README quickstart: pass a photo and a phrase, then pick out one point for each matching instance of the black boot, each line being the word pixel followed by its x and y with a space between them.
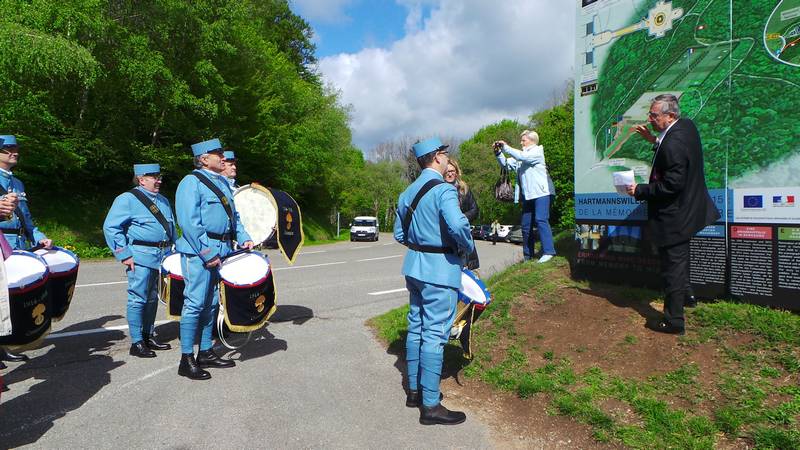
pixel 188 368
pixel 2 366
pixel 140 350
pixel 6 355
pixel 414 399
pixel 690 302
pixel 440 415
pixel 208 358
pixel 152 344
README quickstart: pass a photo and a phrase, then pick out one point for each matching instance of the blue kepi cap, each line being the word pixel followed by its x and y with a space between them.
pixel 144 169
pixel 229 156
pixel 206 147
pixel 422 148
pixel 9 140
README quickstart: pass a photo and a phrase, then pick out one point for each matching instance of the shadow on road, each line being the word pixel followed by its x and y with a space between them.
pixel 68 375
pixel 262 343
pixel 298 315
pixel 454 361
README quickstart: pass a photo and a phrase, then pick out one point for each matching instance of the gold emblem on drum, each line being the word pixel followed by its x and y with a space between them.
pixel 38 314
pixel 289 220
pixel 260 302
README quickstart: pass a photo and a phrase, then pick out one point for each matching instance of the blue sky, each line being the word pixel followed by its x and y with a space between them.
pixel 360 24
pixel 420 68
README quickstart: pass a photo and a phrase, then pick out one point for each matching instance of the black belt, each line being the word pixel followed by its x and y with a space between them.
pixel 10 230
pixel 219 237
pixel 160 244
pixel 429 248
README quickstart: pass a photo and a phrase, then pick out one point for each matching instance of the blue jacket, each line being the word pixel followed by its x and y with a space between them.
pixel 531 171
pixel 128 219
pixel 199 212
pixel 10 183
pixel 437 221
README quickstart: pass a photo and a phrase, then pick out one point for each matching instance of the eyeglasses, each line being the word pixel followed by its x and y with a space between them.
pixel 157 176
pixel 450 172
pixel 654 114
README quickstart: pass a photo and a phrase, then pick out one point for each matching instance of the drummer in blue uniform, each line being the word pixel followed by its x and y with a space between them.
pixel 18 228
pixel 208 234
pixel 230 168
pixel 139 236
pixel 438 240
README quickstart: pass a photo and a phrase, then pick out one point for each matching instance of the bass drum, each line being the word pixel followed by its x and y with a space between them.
pixel 171 285
pixel 29 298
pixel 473 299
pixel 257 211
pixel 246 297
pixel 63 265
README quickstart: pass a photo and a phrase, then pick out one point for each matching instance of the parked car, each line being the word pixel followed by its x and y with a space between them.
pixel 481 232
pixel 515 235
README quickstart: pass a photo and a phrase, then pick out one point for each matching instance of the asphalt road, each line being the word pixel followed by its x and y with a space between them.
pixel 315 377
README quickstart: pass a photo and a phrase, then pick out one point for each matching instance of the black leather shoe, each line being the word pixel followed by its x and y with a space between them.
pixel 690 302
pixel 2 366
pixel 140 350
pixel 6 355
pixel 4 389
pixel 189 368
pixel 664 327
pixel 439 415
pixel 152 344
pixel 413 399
pixel 208 358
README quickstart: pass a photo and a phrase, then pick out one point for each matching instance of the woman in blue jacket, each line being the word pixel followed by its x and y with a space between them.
pixel 537 189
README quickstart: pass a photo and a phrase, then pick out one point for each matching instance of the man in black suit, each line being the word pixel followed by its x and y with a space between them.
pixel 678 204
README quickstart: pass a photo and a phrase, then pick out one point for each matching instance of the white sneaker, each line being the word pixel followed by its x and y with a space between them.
pixel 544 259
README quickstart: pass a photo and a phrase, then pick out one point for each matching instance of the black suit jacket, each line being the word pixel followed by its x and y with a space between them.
pixel 678 204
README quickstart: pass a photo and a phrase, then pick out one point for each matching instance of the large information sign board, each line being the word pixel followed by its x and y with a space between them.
pixel 735 66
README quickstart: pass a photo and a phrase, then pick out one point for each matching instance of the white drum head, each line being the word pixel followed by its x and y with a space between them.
pixel 172 264
pixel 257 211
pixel 58 260
pixel 472 290
pixel 244 269
pixel 23 269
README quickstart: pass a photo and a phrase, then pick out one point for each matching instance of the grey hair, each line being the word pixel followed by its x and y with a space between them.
pixel 532 135
pixel 135 180
pixel 198 163
pixel 669 104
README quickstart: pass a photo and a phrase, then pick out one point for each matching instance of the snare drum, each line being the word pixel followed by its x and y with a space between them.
pixel 171 285
pixel 29 298
pixel 246 291
pixel 63 266
pixel 473 298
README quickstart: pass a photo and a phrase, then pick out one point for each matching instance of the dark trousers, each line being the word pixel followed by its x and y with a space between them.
pixel 675 274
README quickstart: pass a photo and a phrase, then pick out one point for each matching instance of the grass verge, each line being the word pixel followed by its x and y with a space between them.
pixel 751 395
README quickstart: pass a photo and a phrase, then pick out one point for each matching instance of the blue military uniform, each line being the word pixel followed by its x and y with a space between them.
pixel 131 230
pixel 19 230
pixel 432 279
pixel 206 236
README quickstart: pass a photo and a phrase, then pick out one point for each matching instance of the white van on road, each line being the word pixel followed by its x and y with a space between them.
pixel 364 228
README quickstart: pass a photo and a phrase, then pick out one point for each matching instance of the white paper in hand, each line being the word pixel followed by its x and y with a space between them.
pixel 622 180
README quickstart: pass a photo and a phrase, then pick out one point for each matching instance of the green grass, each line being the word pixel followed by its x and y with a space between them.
pixel 745 399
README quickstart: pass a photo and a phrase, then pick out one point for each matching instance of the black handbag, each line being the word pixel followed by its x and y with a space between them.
pixel 503 190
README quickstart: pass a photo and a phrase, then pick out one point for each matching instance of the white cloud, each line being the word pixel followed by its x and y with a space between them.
pixel 468 64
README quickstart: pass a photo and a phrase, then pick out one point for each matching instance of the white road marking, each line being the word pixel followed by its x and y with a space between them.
pixel 311 253
pixel 393 291
pixel 390 243
pixel 311 265
pixel 101 284
pixel 360 247
pixel 382 257
pixel 95 330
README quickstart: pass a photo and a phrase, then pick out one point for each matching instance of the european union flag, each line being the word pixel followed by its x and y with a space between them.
pixel 753 201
